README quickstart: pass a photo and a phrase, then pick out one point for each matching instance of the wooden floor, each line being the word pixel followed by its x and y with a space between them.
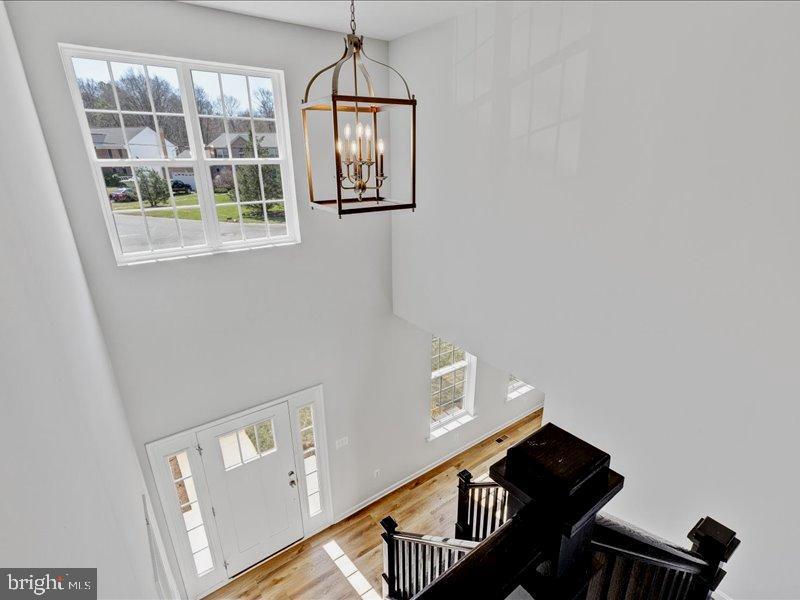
pixel 426 505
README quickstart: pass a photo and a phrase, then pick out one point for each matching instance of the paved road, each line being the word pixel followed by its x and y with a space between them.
pixel 164 233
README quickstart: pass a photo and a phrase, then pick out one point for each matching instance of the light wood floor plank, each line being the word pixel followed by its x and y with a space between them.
pixel 425 505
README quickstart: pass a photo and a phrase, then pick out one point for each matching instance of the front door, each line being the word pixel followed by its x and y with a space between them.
pixel 252 481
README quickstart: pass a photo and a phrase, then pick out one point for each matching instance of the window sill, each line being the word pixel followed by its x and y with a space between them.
pixel 441 429
pixel 127 260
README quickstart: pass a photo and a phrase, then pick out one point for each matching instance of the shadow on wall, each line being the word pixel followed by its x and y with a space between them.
pixel 529 60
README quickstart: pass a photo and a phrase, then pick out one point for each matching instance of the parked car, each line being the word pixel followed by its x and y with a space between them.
pixel 179 187
pixel 122 195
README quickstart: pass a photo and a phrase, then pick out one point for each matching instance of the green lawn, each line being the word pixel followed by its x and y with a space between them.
pixel 192 212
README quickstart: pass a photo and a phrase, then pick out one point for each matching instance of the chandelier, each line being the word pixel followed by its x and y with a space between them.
pixel 359 144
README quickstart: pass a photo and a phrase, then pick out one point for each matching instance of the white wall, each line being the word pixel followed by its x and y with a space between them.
pixel 72 486
pixel 619 210
pixel 194 340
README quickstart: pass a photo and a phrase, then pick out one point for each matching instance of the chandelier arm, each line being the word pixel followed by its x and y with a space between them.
pixel 320 72
pixel 403 79
pixel 337 66
pixel 364 73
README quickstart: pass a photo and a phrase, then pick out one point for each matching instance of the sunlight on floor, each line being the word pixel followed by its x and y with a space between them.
pixel 349 570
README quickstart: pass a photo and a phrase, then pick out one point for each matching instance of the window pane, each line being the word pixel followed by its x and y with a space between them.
pixel 153 187
pixel 222 178
pixel 247 441
pixel 273 185
pixel 435 346
pixel 266 139
pixel 307 437
pixel 253 222
pixel 119 188
pixel 131 87
pixel 131 232
pixel 314 506
pixel 234 88
pixel 215 142
pixel 198 539
pixel 266 438
pixel 448 379
pixel 166 89
pixel 262 97
pixel 186 491
pixel 459 374
pixel 241 138
pixel 230 230
pixel 306 417
pixel 174 139
pixel 191 226
pixel 184 185
pixel 143 140
pixel 179 465
pixel 107 138
pixel 229 448
pixel 459 354
pixel 312 483
pixel 94 83
pixel 203 562
pixel 206 93
pixel 191 515
pixel 249 183
pixel 163 229
pixel 310 463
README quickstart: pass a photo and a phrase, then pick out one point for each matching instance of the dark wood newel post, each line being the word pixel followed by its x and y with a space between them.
pixel 715 543
pixel 569 481
pixel 390 577
pixel 463 528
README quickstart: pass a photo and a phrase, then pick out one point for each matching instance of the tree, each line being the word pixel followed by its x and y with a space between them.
pixel 263 103
pixel 153 188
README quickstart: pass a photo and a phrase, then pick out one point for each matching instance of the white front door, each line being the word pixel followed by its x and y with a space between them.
pixel 252 481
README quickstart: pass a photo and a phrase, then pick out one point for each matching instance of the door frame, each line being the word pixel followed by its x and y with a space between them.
pixel 187 440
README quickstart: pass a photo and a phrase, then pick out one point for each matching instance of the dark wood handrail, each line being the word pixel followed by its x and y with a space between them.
pixel 615 536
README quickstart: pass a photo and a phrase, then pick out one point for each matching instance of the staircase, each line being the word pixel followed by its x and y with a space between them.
pixel 535 531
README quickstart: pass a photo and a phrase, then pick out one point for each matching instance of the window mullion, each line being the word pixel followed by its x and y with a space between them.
pixel 205 188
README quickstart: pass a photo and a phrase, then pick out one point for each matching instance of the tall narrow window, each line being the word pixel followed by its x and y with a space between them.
pixel 452 385
pixel 188 158
pixel 190 508
pixel 311 472
pixel 517 387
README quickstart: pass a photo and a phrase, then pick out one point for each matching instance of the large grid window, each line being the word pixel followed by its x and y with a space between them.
pixel 452 373
pixel 189 158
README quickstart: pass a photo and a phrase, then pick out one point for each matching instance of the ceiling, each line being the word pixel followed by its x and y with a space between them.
pixel 379 19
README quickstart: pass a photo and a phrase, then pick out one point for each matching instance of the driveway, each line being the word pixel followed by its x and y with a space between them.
pixel 164 233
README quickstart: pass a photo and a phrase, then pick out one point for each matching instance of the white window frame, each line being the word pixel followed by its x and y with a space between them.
pixel 199 162
pixel 516 387
pixel 470 363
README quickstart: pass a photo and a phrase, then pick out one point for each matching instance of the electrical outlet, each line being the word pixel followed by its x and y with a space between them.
pixel 376 473
pixel 342 442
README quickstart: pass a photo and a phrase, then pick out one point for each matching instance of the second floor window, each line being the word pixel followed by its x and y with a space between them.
pixel 452 382
pixel 188 157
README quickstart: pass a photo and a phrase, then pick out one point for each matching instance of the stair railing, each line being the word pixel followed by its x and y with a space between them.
pixel 412 561
pixel 482 507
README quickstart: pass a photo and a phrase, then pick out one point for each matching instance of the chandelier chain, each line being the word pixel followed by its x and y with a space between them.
pixel 353 16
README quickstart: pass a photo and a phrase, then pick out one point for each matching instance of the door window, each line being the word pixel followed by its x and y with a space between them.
pixel 186 493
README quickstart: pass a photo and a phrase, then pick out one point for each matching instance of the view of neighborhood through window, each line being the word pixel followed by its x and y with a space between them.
pixel 189 159
pixel 450 374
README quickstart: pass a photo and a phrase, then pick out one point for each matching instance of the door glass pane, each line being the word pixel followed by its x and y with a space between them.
pixel 197 539
pixel 247 442
pixel 305 417
pixel 191 515
pixel 230 451
pixel 203 561
pixel 266 437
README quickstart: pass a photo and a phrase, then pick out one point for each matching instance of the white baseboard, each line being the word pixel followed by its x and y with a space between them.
pixel 354 509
